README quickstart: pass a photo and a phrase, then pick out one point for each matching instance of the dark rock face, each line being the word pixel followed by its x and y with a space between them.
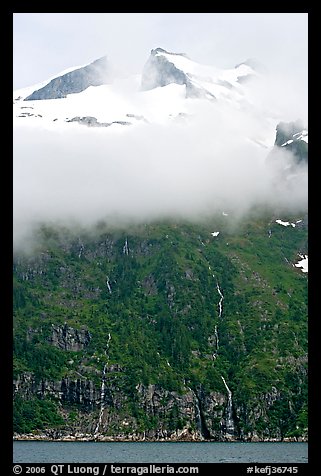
pixel 149 286
pixel 94 74
pixel 290 138
pixel 286 130
pixel 159 72
pixel 92 122
pixel 68 338
pixel 176 416
pixel 26 386
pixel 80 392
pixel 211 407
pixel 86 120
pixel 192 415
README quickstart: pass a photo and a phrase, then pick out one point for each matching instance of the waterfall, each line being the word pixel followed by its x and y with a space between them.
pixel 220 305
pixel 102 397
pixel 102 388
pixel 108 284
pixel 229 416
pixel 229 427
pixel 81 250
pixel 199 417
pixel 216 339
pixel 125 248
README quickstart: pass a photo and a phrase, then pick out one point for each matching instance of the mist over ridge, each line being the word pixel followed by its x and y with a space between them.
pixel 190 158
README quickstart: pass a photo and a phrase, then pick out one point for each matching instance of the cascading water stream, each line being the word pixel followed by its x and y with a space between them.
pixel 108 284
pixel 229 409
pixel 102 388
pixel 125 248
pixel 220 304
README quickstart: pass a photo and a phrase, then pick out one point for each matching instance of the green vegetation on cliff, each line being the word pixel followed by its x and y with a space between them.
pixel 167 305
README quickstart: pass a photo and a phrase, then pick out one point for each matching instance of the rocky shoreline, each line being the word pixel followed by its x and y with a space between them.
pixel 183 437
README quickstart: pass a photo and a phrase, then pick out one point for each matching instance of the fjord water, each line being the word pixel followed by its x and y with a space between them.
pixel 119 452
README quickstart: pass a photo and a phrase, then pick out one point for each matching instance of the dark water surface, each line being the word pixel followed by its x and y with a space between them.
pixel 119 452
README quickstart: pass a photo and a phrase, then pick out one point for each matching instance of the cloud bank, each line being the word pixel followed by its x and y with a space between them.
pixel 209 162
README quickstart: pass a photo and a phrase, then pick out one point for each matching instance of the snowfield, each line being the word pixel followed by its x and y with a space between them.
pixel 303 263
pixel 285 223
pixel 107 103
pixel 125 101
pixel 303 135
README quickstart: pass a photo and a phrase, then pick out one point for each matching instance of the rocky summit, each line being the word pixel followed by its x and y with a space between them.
pixel 93 74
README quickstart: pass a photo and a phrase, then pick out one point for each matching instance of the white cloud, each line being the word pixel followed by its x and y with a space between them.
pixel 210 162
pixel 207 164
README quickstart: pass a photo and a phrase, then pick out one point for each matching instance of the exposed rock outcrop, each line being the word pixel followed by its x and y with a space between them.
pixel 292 137
pixel 93 122
pixel 172 415
pixel 159 71
pixel 66 338
pixel 194 415
pixel 94 74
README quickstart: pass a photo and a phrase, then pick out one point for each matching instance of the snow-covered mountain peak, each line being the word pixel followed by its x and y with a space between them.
pixel 182 62
pixel 201 81
pixel 74 81
pixel 161 51
pixel 171 88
